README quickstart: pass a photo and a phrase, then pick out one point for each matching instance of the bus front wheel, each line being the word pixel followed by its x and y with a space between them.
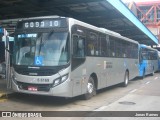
pixel 91 89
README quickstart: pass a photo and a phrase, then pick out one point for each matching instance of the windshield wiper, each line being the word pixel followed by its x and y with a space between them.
pixel 40 45
pixel 43 40
pixel 50 33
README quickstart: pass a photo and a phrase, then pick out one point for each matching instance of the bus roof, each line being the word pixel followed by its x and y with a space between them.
pixel 72 20
pixel 148 47
pixel 102 30
pixel 41 17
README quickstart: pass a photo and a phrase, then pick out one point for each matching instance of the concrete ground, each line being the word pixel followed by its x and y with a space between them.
pixel 140 100
pixel 3 88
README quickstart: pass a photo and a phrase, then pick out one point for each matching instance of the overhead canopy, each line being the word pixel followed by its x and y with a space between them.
pixel 110 14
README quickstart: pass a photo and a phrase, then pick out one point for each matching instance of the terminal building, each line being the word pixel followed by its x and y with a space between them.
pixel 114 16
pixel 107 14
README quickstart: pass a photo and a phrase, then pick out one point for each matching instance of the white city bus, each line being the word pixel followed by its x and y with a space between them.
pixel 58 56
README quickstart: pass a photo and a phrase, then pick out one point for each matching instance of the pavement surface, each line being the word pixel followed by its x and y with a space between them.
pixel 140 95
pixel 144 98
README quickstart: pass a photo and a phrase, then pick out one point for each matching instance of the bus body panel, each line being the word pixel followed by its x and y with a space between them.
pixel 107 75
pixel 158 61
pixel 64 89
pixel 107 70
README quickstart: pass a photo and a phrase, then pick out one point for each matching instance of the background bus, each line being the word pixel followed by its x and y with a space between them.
pixel 148 60
pixel 59 56
pixel 158 61
pixel 2 54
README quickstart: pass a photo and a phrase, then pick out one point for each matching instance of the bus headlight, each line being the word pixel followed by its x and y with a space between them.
pixel 14 78
pixel 57 82
pixel 64 78
pixel 60 80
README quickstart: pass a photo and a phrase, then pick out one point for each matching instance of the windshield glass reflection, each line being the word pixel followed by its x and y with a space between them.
pixel 41 49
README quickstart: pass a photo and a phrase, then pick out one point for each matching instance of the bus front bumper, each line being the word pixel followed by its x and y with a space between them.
pixel 62 90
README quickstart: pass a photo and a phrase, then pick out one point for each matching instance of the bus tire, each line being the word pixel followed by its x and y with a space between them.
pixel 152 74
pixel 91 89
pixel 126 79
pixel 143 76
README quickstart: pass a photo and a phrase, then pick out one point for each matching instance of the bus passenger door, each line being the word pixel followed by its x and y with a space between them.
pixel 77 64
pixel 7 61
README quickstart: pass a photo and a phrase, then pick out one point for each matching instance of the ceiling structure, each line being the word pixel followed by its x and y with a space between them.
pixel 110 14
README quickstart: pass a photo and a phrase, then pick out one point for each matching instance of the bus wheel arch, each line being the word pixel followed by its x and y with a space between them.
pixel 91 87
pixel 95 78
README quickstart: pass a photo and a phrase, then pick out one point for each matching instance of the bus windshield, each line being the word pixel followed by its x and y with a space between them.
pixel 41 49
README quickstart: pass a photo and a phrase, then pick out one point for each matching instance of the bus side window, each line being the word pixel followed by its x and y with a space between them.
pixel 92 44
pixel 79 46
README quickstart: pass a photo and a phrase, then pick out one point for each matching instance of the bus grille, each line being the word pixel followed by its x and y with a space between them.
pixel 38 72
pixel 40 87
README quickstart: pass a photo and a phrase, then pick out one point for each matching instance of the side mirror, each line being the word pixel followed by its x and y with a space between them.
pixel 8 50
pixel 1 37
pixel 1 33
pixel 7 45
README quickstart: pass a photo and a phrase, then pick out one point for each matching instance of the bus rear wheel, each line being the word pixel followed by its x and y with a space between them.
pixel 152 74
pixel 126 79
pixel 91 89
pixel 143 76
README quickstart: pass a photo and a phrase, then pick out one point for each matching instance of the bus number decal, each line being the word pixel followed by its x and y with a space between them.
pixel 108 64
pixel 42 24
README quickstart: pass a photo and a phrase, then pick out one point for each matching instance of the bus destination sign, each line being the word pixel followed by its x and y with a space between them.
pixel 42 24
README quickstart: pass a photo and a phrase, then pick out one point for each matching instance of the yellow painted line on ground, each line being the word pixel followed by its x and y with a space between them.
pixel 3 97
pixel 3 100
pixel 2 94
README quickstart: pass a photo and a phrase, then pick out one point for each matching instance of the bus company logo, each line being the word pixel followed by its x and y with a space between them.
pixel 6 114
pixel 108 64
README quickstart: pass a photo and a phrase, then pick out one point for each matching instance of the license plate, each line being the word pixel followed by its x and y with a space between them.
pixel 32 88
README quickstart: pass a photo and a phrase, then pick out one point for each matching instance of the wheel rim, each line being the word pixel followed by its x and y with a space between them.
pixel 90 88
